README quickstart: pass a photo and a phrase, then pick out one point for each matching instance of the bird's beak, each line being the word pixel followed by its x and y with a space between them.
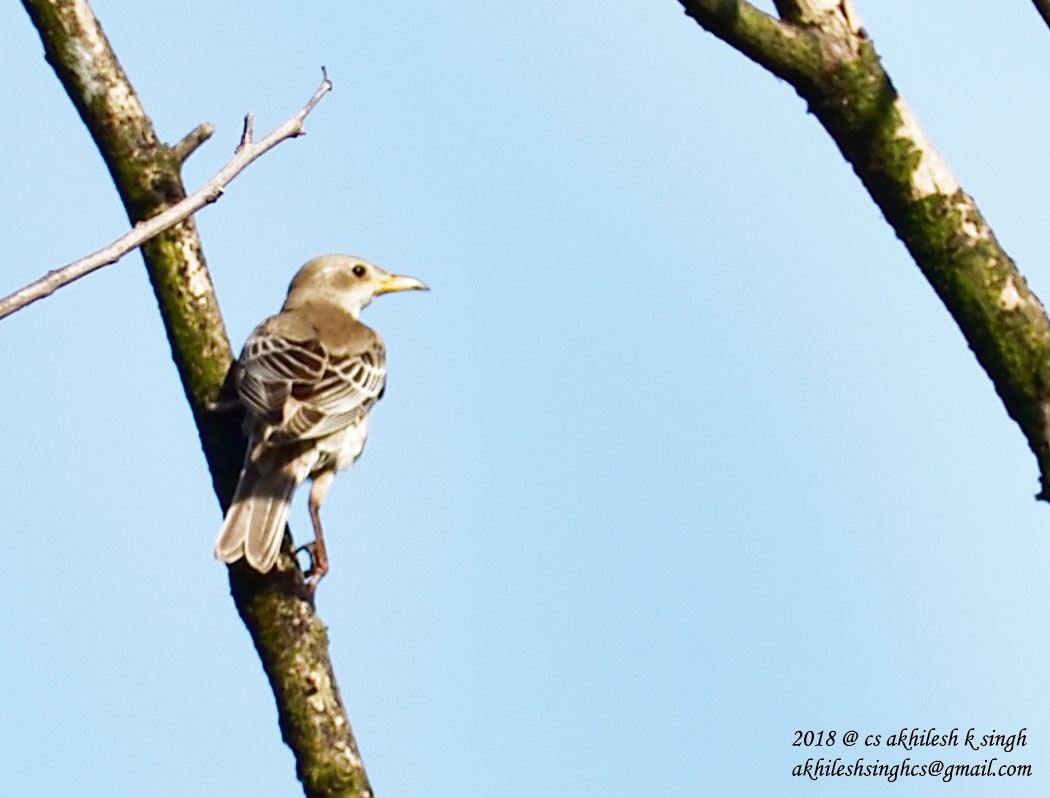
pixel 389 283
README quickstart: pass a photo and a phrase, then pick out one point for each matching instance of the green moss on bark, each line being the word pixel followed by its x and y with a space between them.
pixel 838 72
pixel 289 637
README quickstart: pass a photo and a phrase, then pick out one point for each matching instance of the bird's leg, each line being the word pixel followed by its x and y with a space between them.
pixel 318 555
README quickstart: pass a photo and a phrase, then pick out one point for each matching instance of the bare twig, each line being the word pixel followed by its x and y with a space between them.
pixel 246 152
pixel 192 140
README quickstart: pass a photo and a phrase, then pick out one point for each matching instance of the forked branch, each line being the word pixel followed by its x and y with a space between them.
pixel 290 638
pixel 246 152
pixel 821 48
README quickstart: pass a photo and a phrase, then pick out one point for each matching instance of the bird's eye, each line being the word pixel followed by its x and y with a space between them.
pixel 359 270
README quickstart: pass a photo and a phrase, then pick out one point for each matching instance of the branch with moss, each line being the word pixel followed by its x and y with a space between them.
pixel 289 637
pixel 822 50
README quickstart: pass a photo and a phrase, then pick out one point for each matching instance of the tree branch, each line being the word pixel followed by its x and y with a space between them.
pixel 1043 7
pixel 290 638
pixel 192 140
pixel 762 38
pixel 832 64
pixel 246 152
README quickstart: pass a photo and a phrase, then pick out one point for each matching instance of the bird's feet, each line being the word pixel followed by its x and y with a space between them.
pixel 318 564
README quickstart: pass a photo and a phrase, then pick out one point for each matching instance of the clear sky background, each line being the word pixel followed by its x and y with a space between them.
pixel 679 455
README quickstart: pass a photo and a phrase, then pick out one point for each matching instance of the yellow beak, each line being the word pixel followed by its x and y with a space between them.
pixel 389 283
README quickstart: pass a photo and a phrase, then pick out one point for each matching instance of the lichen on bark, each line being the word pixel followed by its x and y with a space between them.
pixel 823 51
pixel 288 635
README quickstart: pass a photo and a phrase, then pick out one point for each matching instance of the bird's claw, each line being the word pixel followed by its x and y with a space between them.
pixel 318 565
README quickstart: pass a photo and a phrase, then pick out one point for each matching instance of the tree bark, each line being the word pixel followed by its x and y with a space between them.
pixel 289 637
pixel 1043 7
pixel 820 48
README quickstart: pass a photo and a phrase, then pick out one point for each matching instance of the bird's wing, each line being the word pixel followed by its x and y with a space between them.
pixel 276 357
pixel 349 387
pixel 301 384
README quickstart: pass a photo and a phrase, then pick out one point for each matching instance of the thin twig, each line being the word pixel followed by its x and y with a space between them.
pixel 246 152
pixel 192 140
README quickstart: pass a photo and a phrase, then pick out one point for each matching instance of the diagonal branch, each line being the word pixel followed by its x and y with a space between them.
pixel 189 143
pixel 291 640
pixel 1043 7
pixel 832 64
pixel 246 152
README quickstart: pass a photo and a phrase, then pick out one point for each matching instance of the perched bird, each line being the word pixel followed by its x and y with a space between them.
pixel 307 378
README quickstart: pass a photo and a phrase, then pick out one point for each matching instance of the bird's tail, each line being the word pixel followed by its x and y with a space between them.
pixel 254 523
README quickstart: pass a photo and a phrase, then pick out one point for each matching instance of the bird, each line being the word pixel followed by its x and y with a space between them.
pixel 307 378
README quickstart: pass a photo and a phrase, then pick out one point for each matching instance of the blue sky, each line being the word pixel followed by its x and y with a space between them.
pixel 679 455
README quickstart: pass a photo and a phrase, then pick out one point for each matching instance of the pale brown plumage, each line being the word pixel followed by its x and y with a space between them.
pixel 307 378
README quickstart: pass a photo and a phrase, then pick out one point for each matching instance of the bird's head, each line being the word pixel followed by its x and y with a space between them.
pixel 345 280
